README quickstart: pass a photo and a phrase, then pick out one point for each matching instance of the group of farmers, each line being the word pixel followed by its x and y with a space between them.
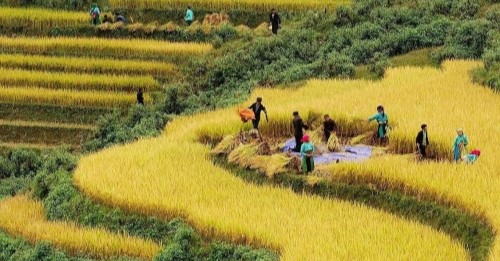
pixel 95 13
pixel 306 148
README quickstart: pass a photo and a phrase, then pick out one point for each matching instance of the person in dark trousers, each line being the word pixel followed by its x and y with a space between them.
pixel 329 126
pixel 275 21
pixel 107 19
pixel 257 109
pixel 140 97
pixel 298 130
pixel 94 14
pixel 422 140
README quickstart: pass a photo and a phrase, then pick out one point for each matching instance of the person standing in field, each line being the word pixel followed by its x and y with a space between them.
pixel 329 126
pixel 459 145
pixel 307 154
pixel 275 21
pixel 257 109
pixel 189 18
pixel 382 120
pixel 140 96
pixel 422 141
pixel 94 14
pixel 298 130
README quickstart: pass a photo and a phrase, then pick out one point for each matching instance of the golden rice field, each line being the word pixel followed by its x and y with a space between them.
pixel 217 5
pixel 88 65
pixel 100 47
pixel 24 217
pixel 63 97
pixel 41 19
pixel 173 176
pixel 76 81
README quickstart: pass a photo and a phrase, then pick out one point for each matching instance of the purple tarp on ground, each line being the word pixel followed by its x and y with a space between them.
pixel 349 154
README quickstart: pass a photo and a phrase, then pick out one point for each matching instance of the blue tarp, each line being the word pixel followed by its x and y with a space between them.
pixel 350 153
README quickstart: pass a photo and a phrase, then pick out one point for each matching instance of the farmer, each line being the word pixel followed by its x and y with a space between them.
pixel 94 14
pixel 274 21
pixel 140 97
pixel 107 19
pixel 298 127
pixel 329 126
pixel 189 16
pixel 382 120
pixel 257 108
pixel 472 157
pixel 120 18
pixel 307 154
pixel 459 145
pixel 422 141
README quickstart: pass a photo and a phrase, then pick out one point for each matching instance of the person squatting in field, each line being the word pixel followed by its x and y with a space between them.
pixel 94 14
pixel 382 120
pixel 274 21
pixel 298 130
pixel 307 154
pixel 257 108
pixel 329 126
pixel 472 157
pixel 459 145
pixel 422 141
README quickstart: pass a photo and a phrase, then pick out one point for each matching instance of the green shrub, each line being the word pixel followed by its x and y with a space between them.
pixel 117 128
pixel 337 65
pixel 466 40
pixel 7 168
pixel 493 15
pixel 26 162
pixel 465 9
pixel 223 251
pixel 378 64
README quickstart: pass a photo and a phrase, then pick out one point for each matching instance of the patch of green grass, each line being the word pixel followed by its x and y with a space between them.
pixel 51 113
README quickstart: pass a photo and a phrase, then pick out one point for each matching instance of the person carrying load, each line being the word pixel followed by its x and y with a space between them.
pixel 257 109
pixel 382 120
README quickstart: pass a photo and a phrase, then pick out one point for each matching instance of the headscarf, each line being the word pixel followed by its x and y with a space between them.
pixel 305 138
pixel 476 152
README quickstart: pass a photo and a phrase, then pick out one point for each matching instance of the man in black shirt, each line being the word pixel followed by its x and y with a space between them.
pixel 275 21
pixel 422 141
pixel 329 126
pixel 298 127
pixel 140 97
pixel 257 108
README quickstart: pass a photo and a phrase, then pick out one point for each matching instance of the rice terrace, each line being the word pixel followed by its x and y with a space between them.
pixel 249 130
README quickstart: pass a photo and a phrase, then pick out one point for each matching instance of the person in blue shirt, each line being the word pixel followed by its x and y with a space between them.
pixel 94 14
pixel 459 145
pixel 382 120
pixel 189 16
pixel 307 154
